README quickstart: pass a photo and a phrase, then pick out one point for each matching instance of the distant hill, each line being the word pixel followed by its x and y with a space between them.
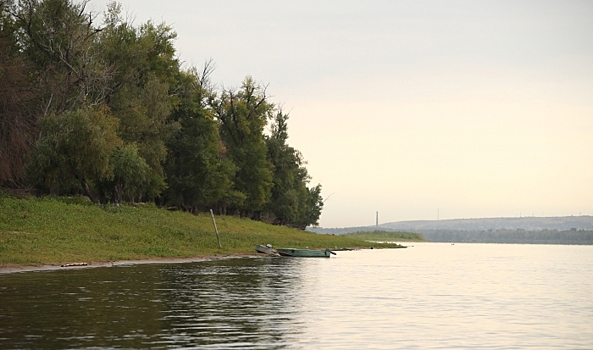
pixel 540 230
pixel 524 223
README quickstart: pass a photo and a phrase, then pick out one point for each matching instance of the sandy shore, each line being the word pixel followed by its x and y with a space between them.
pixel 6 269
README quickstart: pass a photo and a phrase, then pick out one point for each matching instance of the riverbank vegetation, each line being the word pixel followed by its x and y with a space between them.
pixel 107 111
pixel 58 230
pixel 386 236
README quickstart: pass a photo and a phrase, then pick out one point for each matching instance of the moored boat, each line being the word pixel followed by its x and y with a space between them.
pixel 265 249
pixel 305 253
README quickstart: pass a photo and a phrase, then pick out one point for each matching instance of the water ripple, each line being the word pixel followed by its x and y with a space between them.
pixel 432 296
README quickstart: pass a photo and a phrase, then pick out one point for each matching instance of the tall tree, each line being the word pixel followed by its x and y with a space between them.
pixel 59 37
pixel 242 116
pixel 60 40
pixel 17 103
pixel 292 203
pixel 198 174
pixel 144 72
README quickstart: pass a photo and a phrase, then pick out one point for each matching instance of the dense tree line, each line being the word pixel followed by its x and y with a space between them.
pixel 511 236
pixel 106 111
pixel 386 236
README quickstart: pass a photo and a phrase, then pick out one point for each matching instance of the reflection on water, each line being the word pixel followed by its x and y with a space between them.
pixel 234 302
pixel 430 296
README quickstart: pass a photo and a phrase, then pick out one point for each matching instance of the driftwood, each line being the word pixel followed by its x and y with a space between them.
pixel 74 264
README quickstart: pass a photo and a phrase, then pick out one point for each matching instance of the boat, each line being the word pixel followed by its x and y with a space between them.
pixel 265 249
pixel 305 253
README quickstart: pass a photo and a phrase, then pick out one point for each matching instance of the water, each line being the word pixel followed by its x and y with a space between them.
pixel 429 296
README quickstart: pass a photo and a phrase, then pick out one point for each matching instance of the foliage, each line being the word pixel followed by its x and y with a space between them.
pixel 130 173
pixel 144 68
pixel 17 104
pixel 292 202
pixel 58 37
pixel 74 151
pixel 108 112
pixel 242 115
pixel 198 174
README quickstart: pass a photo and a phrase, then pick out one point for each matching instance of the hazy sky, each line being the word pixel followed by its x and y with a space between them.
pixel 461 109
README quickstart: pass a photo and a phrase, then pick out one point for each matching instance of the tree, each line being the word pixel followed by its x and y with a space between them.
pixel 144 71
pixel 53 42
pixel 17 104
pixel 107 111
pixel 292 203
pixel 59 38
pixel 198 174
pixel 242 116
pixel 313 208
pixel 74 150
pixel 130 174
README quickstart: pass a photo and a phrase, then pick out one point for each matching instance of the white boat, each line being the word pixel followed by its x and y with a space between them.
pixel 266 249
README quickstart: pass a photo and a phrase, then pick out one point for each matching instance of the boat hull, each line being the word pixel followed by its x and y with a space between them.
pixel 304 253
pixel 265 250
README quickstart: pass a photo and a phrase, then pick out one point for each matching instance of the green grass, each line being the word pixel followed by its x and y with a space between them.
pixel 387 236
pixel 62 230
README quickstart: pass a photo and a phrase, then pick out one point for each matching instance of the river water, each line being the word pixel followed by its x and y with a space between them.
pixel 428 296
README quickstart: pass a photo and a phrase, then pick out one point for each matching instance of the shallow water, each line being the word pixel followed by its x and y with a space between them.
pixel 429 296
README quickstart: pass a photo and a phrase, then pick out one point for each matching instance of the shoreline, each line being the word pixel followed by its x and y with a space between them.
pixel 16 268
pixel 10 269
pixel 41 234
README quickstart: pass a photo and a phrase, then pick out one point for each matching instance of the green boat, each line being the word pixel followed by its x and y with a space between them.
pixel 305 253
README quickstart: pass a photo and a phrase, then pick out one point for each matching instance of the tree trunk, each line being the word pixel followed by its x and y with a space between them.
pixel 87 191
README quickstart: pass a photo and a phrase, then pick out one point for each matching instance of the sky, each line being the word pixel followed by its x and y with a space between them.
pixel 417 110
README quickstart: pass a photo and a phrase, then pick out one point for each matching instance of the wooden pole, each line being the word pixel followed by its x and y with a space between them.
pixel 215 229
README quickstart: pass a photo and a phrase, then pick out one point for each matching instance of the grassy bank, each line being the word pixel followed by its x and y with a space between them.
pixel 62 230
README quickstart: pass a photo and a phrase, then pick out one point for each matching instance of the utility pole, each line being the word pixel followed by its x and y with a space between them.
pixel 377 220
